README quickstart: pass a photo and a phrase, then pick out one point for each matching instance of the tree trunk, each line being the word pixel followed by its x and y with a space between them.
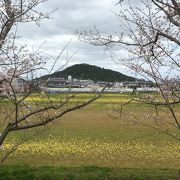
pixel 5 133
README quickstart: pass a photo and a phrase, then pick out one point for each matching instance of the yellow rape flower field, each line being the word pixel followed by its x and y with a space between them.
pixel 88 152
pixel 97 136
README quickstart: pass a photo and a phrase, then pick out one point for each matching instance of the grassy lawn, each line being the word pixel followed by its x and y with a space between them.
pixel 86 141
pixel 86 172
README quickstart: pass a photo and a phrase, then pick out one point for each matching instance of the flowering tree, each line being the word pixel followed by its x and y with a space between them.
pixel 17 64
pixel 150 34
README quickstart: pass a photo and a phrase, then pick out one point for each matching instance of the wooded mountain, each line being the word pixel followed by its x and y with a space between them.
pixel 95 73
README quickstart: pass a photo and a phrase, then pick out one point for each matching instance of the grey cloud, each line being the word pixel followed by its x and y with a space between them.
pixel 73 15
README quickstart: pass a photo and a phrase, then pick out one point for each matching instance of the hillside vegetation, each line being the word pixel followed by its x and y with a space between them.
pixel 95 73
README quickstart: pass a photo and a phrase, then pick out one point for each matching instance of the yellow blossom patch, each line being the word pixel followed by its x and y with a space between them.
pixel 95 150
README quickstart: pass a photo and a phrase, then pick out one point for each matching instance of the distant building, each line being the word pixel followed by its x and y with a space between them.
pixel 77 83
pixel 69 79
pixel 138 84
pixel 19 85
pixel 63 83
pixel 56 82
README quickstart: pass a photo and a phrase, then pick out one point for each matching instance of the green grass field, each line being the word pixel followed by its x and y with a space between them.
pixel 96 136
pixel 89 173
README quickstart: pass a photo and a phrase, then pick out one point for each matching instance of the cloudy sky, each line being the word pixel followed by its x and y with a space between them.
pixel 70 17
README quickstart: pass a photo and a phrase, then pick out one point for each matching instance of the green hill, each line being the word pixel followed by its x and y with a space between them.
pixel 95 73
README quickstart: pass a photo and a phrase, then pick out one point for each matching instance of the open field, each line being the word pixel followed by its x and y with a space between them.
pixel 97 136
